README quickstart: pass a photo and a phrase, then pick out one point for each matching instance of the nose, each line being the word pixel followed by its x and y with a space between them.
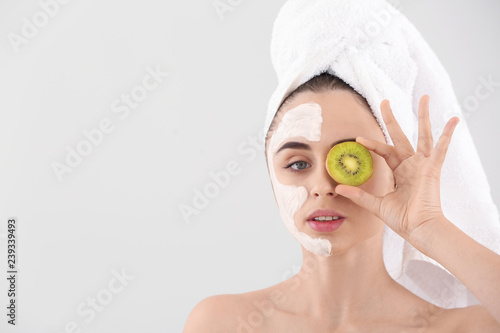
pixel 322 185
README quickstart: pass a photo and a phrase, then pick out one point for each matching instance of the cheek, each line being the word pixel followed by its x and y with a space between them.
pixel 283 182
pixel 290 198
pixel 283 175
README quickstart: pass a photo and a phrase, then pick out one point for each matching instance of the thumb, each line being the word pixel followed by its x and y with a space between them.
pixel 360 197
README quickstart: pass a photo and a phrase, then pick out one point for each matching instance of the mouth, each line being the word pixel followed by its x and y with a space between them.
pixel 325 220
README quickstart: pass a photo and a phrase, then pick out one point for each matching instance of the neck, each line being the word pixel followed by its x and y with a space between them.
pixel 347 285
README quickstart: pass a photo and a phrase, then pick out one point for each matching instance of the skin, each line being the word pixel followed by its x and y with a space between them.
pixel 349 291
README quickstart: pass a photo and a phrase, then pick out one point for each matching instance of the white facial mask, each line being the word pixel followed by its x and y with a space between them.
pixel 302 121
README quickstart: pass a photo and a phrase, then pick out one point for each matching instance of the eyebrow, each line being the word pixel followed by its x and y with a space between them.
pixel 305 146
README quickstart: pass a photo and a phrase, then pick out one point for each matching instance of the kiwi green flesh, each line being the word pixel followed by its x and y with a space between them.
pixel 349 163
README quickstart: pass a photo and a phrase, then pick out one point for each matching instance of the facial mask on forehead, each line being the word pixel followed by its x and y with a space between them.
pixel 302 121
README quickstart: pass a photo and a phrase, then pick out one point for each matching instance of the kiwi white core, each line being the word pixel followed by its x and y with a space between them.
pixel 302 121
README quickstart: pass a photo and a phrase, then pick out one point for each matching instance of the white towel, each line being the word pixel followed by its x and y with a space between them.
pixel 375 49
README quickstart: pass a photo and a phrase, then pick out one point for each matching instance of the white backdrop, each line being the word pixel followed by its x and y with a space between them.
pixel 156 98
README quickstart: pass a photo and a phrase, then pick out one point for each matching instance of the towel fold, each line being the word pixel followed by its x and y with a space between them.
pixel 375 49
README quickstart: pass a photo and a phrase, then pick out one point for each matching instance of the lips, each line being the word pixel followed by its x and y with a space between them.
pixel 325 226
pixel 324 212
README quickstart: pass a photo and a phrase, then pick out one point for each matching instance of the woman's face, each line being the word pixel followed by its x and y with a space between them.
pixel 300 181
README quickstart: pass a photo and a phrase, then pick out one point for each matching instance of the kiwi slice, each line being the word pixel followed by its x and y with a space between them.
pixel 349 163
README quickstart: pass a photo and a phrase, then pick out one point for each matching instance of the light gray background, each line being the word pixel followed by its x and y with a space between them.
pixel 119 209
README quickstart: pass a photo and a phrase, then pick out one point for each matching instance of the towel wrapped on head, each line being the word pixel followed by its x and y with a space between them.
pixel 376 50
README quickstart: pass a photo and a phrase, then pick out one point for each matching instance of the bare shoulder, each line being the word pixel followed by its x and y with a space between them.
pixel 216 313
pixel 475 318
pixel 236 312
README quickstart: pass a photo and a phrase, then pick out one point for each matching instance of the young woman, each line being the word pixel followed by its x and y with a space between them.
pixel 350 290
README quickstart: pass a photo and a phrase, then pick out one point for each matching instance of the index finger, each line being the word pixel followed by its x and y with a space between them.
pixel 401 142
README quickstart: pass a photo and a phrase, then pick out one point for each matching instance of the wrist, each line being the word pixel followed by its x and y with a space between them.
pixel 425 237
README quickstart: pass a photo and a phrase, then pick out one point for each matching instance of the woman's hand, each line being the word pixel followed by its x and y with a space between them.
pixel 415 202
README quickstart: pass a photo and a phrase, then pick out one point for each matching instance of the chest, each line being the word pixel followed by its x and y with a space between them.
pixel 279 322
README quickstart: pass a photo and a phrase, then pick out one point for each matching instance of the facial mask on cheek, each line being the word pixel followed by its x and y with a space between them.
pixel 302 121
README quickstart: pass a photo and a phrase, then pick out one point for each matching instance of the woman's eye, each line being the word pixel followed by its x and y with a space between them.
pixel 299 165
